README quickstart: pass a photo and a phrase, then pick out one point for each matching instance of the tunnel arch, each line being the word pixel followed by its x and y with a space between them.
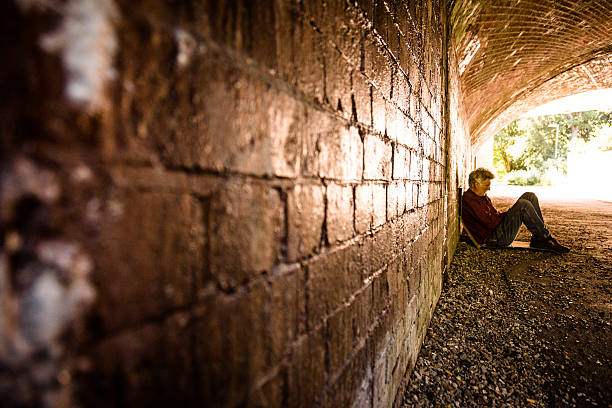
pixel 516 55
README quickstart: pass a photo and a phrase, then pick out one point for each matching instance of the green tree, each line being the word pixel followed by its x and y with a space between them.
pixel 505 143
pixel 536 143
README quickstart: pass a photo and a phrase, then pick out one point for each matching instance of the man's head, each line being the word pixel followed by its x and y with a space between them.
pixel 480 181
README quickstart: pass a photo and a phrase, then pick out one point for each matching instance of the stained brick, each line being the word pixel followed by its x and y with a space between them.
pixel 363 99
pixel 363 208
pixel 204 134
pixel 401 162
pixel 284 310
pixel 307 370
pixel 337 81
pixel 340 210
pixel 257 212
pixel 416 166
pixel 130 358
pixel 379 202
pixel 178 374
pixel 306 211
pixel 377 161
pixel 401 197
pixel 332 149
pixel 265 256
pixel 228 363
pixel 423 195
pixel 330 282
pixel 392 196
pixel 348 388
pixel 160 249
pixel 378 111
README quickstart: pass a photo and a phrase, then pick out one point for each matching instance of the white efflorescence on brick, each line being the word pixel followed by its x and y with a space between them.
pixel 86 41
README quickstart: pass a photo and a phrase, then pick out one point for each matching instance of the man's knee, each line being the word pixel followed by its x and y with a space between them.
pixel 524 204
pixel 529 196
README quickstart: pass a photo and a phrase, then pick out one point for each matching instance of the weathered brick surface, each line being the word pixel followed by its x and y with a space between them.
pixel 277 182
pixel 305 216
pixel 247 221
pixel 340 212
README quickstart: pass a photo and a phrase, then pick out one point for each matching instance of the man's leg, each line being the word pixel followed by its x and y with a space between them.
pixel 533 199
pixel 523 211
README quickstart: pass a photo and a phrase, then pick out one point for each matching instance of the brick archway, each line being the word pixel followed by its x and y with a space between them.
pixel 515 55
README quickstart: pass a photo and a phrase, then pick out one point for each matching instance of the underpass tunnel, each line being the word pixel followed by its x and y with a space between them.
pixel 516 55
pixel 250 203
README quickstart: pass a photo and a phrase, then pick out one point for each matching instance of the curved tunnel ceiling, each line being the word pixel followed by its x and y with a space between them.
pixel 517 54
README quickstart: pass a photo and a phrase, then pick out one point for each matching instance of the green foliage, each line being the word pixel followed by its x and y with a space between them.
pixel 523 177
pixel 537 144
pixel 504 147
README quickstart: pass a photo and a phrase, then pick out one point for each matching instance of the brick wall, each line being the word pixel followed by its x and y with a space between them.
pixel 274 201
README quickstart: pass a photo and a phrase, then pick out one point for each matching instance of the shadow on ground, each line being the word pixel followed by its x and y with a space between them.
pixel 520 329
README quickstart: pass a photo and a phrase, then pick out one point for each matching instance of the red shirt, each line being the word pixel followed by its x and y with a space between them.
pixel 479 215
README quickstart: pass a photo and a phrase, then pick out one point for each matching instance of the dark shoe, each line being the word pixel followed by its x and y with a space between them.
pixel 549 244
pixel 546 244
pixel 560 248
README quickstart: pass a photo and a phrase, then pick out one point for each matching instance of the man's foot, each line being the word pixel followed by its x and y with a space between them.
pixel 549 244
pixel 560 248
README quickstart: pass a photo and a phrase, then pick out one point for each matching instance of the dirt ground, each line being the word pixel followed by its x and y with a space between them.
pixel 520 328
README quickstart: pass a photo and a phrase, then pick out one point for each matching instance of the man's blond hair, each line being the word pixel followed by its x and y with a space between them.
pixel 479 175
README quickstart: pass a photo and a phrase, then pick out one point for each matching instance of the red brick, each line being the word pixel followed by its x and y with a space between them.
pixel 339 212
pixel 382 20
pixel 183 241
pixel 131 358
pixel 159 248
pixel 330 283
pixel 416 166
pixel 363 99
pixel 269 394
pixel 384 247
pixel 308 62
pixel 377 158
pixel 423 195
pixel 340 339
pixel 332 149
pixel 307 370
pixel 363 208
pixel 337 81
pixel 178 373
pixel 284 310
pixel 392 197
pixel 396 124
pixel 379 202
pixel 408 196
pixel 204 132
pixel 229 365
pixel 351 386
pixel 382 337
pixel 257 212
pixel 401 91
pixel 377 66
pixel 379 115
pixel 401 163
pixel 306 211
pixel 380 293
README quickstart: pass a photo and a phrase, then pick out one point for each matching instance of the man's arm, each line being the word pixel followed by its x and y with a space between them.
pixel 484 213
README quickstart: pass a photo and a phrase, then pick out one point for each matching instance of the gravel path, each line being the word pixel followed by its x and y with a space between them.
pixel 524 329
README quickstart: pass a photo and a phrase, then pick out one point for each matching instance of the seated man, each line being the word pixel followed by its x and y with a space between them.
pixel 492 228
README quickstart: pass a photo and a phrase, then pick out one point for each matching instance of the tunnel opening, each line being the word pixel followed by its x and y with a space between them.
pixel 564 144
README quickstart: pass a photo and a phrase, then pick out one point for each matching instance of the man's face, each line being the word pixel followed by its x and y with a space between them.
pixel 482 188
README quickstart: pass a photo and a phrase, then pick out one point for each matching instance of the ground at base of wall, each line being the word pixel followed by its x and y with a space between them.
pixel 519 329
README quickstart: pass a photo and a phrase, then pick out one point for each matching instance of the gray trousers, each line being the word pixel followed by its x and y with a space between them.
pixel 526 211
